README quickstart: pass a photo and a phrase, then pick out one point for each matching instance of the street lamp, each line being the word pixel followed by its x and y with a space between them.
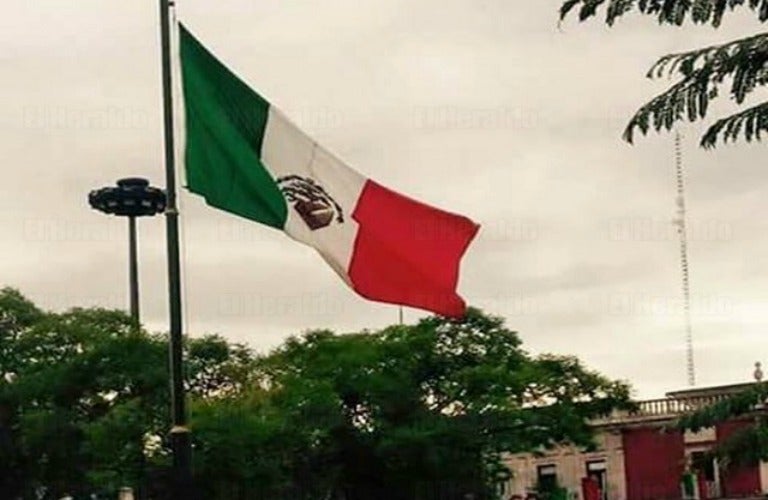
pixel 132 197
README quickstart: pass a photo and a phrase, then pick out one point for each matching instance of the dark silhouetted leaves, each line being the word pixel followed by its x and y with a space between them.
pixel 738 66
pixel 674 12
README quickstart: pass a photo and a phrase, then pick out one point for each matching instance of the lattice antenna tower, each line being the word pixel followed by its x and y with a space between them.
pixel 680 223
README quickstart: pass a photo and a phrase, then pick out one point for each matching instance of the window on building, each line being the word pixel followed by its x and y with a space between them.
pixel 596 469
pixel 596 466
pixel 706 467
pixel 704 464
pixel 546 476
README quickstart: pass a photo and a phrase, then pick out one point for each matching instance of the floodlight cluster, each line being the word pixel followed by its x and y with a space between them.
pixel 132 197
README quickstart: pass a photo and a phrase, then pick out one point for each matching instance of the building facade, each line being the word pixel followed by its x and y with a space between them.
pixel 639 456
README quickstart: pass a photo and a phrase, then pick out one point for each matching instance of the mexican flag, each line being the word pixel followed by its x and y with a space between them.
pixel 244 156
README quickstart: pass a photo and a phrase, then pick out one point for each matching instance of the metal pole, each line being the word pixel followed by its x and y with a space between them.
pixel 180 436
pixel 133 270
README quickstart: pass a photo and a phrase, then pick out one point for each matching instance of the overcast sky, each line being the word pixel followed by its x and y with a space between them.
pixel 482 107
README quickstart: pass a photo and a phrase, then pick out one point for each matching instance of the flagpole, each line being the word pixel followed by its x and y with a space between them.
pixel 180 435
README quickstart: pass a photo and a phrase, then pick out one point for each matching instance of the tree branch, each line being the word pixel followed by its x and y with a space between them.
pixel 674 12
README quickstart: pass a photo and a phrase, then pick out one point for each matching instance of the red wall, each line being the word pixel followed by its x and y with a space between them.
pixel 744 481
pixel 654 463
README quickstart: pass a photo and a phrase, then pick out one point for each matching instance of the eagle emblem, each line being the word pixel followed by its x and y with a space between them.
pixel 311 201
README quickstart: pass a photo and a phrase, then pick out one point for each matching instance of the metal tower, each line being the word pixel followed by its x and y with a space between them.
pixel 680 222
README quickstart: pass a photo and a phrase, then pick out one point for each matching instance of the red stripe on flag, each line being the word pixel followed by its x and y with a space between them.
pixel 407 252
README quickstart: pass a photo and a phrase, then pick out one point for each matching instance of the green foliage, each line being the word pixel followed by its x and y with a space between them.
pixel 84 394
pixel 217 368
pixel 415 412
pixel 738 67
pixel 424 410
pixel 747 446
pixel 737 405
pixel 674 12
pixel 85 389
pixel 241 448
pixel 749 122
pixel 16 314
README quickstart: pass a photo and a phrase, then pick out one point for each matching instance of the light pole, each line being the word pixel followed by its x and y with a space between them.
pixel 132 197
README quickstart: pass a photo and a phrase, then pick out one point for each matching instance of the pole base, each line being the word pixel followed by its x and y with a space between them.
pixel 181 444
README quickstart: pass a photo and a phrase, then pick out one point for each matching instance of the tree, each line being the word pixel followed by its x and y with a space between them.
pixel 84 397
pixel 748 446
pixel 64 376
pixel 416 412
pixel 408 412
pixel 736 68
pixel 16 314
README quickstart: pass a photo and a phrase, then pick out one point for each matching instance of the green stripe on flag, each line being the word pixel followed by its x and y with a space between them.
pixel 225 122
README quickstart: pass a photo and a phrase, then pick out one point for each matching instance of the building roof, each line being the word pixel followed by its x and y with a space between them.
pixel 706 392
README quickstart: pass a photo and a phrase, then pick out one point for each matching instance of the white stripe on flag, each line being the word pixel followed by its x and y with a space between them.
pixel 286 150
